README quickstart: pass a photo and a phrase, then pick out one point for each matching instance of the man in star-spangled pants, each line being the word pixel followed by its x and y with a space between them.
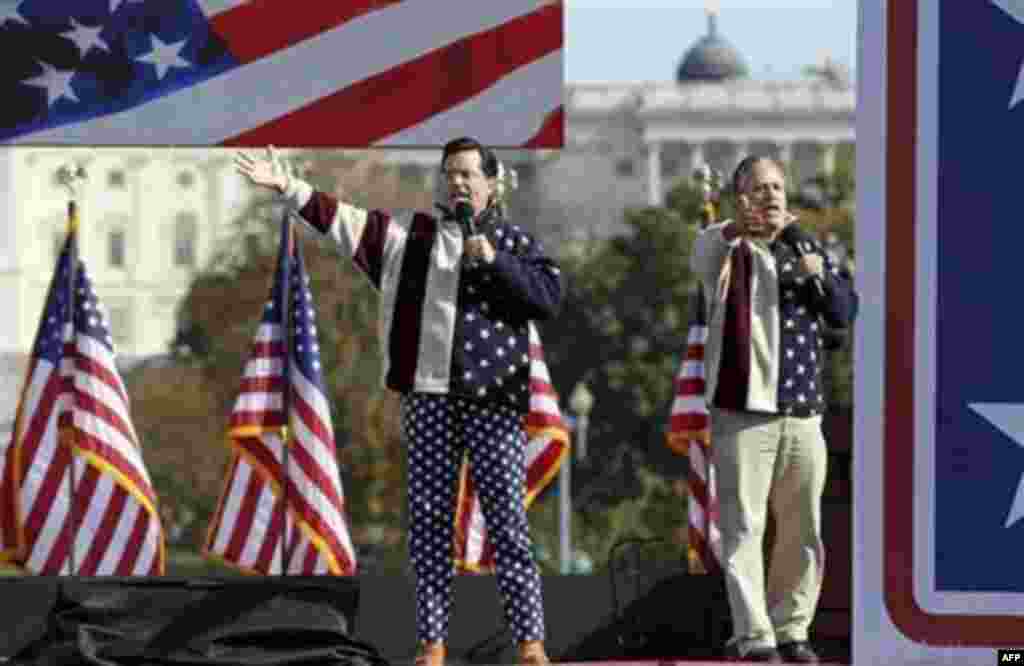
pixel 763 361
pixel 454 321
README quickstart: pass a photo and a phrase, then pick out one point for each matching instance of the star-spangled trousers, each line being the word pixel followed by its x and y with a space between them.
pixel 438 429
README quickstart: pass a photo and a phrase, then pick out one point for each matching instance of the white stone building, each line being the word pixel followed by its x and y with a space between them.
pixel 627 144
pixel 148 220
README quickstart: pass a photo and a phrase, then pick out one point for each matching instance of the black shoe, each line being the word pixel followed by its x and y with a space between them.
pixel 767 655
pixel 799 652
pixel 763 654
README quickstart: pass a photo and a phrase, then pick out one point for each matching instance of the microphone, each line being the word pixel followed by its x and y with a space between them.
pixel 464 216
pixel 803 244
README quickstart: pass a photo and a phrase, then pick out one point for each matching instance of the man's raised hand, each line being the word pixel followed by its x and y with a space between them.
pixel 268 172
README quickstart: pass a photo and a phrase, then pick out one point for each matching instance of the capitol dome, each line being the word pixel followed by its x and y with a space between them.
pixel 712 58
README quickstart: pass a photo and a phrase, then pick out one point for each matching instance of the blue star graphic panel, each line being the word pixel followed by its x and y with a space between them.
pixel 980 322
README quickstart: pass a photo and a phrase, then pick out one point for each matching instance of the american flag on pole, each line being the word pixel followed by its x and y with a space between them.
pixel 342 73
pixel 547 445
pixel 73 419
pixel 689 434
pixel 263 504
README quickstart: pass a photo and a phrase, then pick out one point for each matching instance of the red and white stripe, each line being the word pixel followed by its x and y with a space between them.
pixel 250 524
pixel 547 445
pixel 361 73
pixel 114 523
pixel 689 434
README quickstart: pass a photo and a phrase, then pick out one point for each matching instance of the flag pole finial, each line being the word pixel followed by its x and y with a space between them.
pixel 73 177
pixel 710 182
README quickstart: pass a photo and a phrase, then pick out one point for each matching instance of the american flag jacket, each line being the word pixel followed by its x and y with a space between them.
pixel 446 325
pixel 773 361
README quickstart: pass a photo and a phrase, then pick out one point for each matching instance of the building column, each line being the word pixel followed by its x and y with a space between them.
pixel 784 153
pixel 741 149
pixel 697 158
pixel 827 163
pixel 654 174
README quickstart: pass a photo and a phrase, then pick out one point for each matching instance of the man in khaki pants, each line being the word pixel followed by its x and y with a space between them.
pixel 767 286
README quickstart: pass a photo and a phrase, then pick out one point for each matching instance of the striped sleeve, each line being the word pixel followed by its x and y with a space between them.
pixel 360 234
pixel 711 251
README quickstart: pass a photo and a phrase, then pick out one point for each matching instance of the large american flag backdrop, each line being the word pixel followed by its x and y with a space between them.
pixel 73 419
pixel 352 73
pixel 275 504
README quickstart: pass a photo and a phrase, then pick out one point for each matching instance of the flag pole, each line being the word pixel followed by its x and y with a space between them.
pixel 287 241
pixel 73 179
pixel 710 183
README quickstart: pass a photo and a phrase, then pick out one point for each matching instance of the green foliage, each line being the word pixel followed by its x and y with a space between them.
pixel 622 330
pixel 839 188
pixel 655 511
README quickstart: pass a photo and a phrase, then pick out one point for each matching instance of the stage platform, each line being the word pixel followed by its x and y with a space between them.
pixel 655 618
pixel 672 663
pixel 653 662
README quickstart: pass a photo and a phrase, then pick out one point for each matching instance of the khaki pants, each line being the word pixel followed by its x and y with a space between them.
pixel 764 460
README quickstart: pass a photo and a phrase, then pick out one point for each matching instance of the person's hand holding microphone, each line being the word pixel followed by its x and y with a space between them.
pixel 476 247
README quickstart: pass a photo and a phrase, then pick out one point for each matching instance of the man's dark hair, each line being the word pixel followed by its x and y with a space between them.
pixel 488 160
pixel 746 165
